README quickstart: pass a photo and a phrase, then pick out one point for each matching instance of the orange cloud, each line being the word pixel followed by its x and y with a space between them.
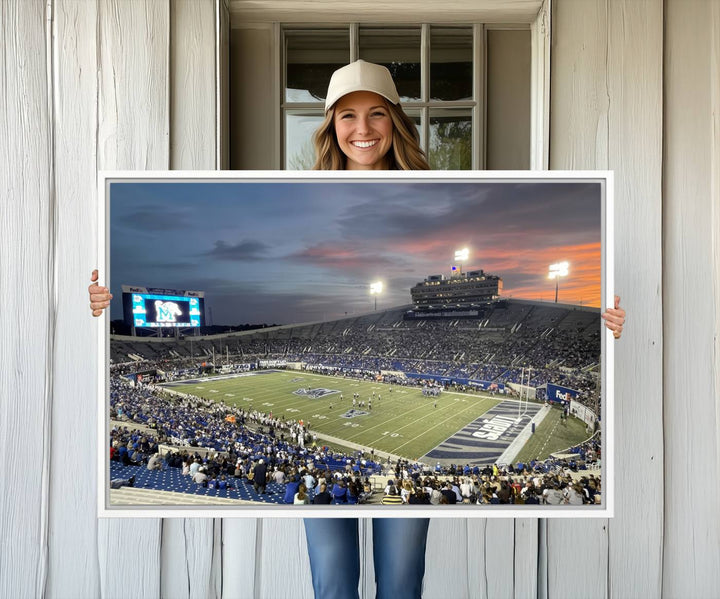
pixel 581 286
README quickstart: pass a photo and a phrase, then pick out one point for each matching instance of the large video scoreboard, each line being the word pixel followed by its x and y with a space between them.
pixel 155 307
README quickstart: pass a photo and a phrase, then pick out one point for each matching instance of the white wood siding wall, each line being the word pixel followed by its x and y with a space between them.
pixel 691 300
pixel 132 85
pixel 27 212
pixel 606 113
pixel 73 550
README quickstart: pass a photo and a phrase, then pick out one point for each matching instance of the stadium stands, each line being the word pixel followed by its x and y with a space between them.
pixel 560 344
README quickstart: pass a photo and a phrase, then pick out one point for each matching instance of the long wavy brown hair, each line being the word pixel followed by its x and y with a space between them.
pixel 405 153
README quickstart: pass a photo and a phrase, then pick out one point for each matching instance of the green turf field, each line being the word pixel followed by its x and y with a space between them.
pixel 552 435
pixel 402 422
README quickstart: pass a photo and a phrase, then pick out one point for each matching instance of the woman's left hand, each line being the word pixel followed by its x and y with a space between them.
pixel 615 318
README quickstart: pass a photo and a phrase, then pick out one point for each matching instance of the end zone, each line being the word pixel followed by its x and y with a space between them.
pixel 488 439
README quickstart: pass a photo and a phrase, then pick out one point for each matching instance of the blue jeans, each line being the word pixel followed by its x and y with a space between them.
pixel 398 552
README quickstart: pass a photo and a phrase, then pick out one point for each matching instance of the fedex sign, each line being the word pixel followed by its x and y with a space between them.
pixel 558 394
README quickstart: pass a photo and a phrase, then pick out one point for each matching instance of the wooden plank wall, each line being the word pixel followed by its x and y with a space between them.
pixel 191 563
pixel 579 99
pixel 73 568
pixel 606 113
pixel 692 304
pixel 635 535
pixel 132 85
pixel 132 133
pixel 27 272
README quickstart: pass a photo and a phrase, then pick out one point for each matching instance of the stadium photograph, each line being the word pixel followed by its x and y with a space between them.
pixel 354 343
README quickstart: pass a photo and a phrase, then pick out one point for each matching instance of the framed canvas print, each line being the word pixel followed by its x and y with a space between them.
pixel 343 344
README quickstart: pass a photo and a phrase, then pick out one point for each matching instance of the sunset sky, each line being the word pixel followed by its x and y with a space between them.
pixel 285 252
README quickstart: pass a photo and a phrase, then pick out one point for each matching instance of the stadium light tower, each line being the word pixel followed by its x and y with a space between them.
pixel 461 256
pixel 556 271
pixel 375 289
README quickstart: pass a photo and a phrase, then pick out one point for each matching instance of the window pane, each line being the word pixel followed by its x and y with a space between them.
pixel 311 58
pixel 299 150
pixel 399 51
pixel 451 56
pixel 415 117
pixel 450 139
pixel 508 100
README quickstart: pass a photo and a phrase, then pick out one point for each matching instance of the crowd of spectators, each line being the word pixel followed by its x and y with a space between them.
pixel 520 343
pixel 547 489
pixel 548 482
pixel 307 481
pixel 236 438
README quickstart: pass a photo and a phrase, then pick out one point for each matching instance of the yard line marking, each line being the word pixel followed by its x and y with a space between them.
pixel 438 424
pixel 430 414
pixel 547 439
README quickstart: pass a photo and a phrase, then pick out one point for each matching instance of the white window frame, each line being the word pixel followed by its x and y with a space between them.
pixel 476 107
pixel 536 15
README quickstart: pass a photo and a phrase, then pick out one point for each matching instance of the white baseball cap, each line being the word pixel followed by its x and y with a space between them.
pixel 361 76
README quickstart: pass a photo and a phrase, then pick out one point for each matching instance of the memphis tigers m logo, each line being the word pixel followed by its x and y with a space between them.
pixel 315 393
pixel 167 311
pixel 353 413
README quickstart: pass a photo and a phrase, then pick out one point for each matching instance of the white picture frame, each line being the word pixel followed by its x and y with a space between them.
pixel 401 180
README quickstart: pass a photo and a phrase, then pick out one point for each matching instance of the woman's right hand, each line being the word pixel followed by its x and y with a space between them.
pixel 99 296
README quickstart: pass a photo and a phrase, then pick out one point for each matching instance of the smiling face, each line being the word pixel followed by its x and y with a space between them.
pixel 364 130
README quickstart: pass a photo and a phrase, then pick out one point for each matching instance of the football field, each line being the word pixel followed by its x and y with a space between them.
pixel 401 421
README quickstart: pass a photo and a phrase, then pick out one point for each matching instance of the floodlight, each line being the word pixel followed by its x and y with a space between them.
pixel 558 270
pixel 375 289
pixel 462 255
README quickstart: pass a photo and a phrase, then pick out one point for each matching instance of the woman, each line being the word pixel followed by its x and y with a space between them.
pixel 407 491
pixel 301 497
pixel 364 129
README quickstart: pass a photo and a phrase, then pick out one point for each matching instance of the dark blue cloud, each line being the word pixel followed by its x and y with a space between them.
pixel 248 249
pixel 153 219
pixel 419 210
